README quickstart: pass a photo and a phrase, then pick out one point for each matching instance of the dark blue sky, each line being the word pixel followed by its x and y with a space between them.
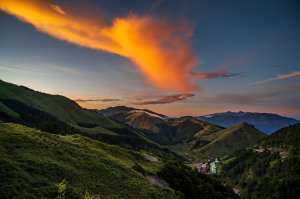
pixel 259 39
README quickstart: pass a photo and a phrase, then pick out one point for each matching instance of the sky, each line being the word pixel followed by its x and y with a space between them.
pixel 176 57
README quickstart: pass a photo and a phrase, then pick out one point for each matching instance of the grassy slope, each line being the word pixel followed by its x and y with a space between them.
pixel 188 127
pixel 32 162
pixel 227 141
pixel 188 133
pixel 61 107
pixel 71 113
pixel 154 127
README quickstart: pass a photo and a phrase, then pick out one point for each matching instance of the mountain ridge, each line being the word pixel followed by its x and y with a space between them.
pixel 187 134
pixel 266 122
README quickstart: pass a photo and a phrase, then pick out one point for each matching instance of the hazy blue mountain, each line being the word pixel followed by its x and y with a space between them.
pixel 266 122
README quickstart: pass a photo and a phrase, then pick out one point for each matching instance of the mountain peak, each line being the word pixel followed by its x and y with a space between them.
pixel 247 125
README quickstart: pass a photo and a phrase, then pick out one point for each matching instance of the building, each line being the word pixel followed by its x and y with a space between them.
pixel 213 166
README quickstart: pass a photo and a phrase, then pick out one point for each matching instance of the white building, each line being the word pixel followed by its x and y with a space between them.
pixel 213 166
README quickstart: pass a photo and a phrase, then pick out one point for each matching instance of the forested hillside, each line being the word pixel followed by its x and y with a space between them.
pixel 269 170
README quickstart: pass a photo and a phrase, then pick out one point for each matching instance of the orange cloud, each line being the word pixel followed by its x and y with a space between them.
pixel 278 77
pixel 160 49
pixel 166 99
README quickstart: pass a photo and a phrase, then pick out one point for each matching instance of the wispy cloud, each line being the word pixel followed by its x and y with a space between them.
pixel 97 100
pixel 222 73
pixel 18 69
pixel 278 77
pixel 50 70
pixel 166 99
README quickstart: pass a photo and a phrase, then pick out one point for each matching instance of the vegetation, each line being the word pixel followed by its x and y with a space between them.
pixel 33 162
pixel 191 184
pixel 60 115
pixel 270 170
pixel 188 135
pixel 139 168
pixel 288 137
pixel 35 118
pixel 58 106
pixel 211 142
pixel 67 156
pixel 61 188
pixel 229 140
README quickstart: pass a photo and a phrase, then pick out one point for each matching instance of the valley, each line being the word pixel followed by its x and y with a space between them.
pixel 137 148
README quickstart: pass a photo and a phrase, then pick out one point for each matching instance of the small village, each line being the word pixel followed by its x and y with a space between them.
pixel 209 167
pixel 283 153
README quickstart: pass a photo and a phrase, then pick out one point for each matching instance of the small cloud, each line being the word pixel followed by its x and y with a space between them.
pixel 166 99
pixel 222 73
pixel 97 100
pixel 278 77
pixel 57 9
pixel 110 100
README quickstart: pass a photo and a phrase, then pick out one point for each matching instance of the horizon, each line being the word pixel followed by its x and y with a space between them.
pixel 196 58
pixel 175 116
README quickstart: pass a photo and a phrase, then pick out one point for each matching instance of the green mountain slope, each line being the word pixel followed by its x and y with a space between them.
pixel 58 114
pixel 189 128
pixel 32 162
pixel 227 141
pixel 271 169
pixel 199 139
pixel 61 107
pixel 152 124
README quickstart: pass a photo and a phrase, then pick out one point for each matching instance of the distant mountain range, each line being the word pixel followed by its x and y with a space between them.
pixel 266 122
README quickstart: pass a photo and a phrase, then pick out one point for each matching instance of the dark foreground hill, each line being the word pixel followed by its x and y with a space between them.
pixel 265 122
pixel 33 162
pixel 269 170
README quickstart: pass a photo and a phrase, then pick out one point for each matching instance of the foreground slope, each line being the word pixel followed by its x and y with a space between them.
pixel 32 162
pixel 269 170
pixel 266 122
